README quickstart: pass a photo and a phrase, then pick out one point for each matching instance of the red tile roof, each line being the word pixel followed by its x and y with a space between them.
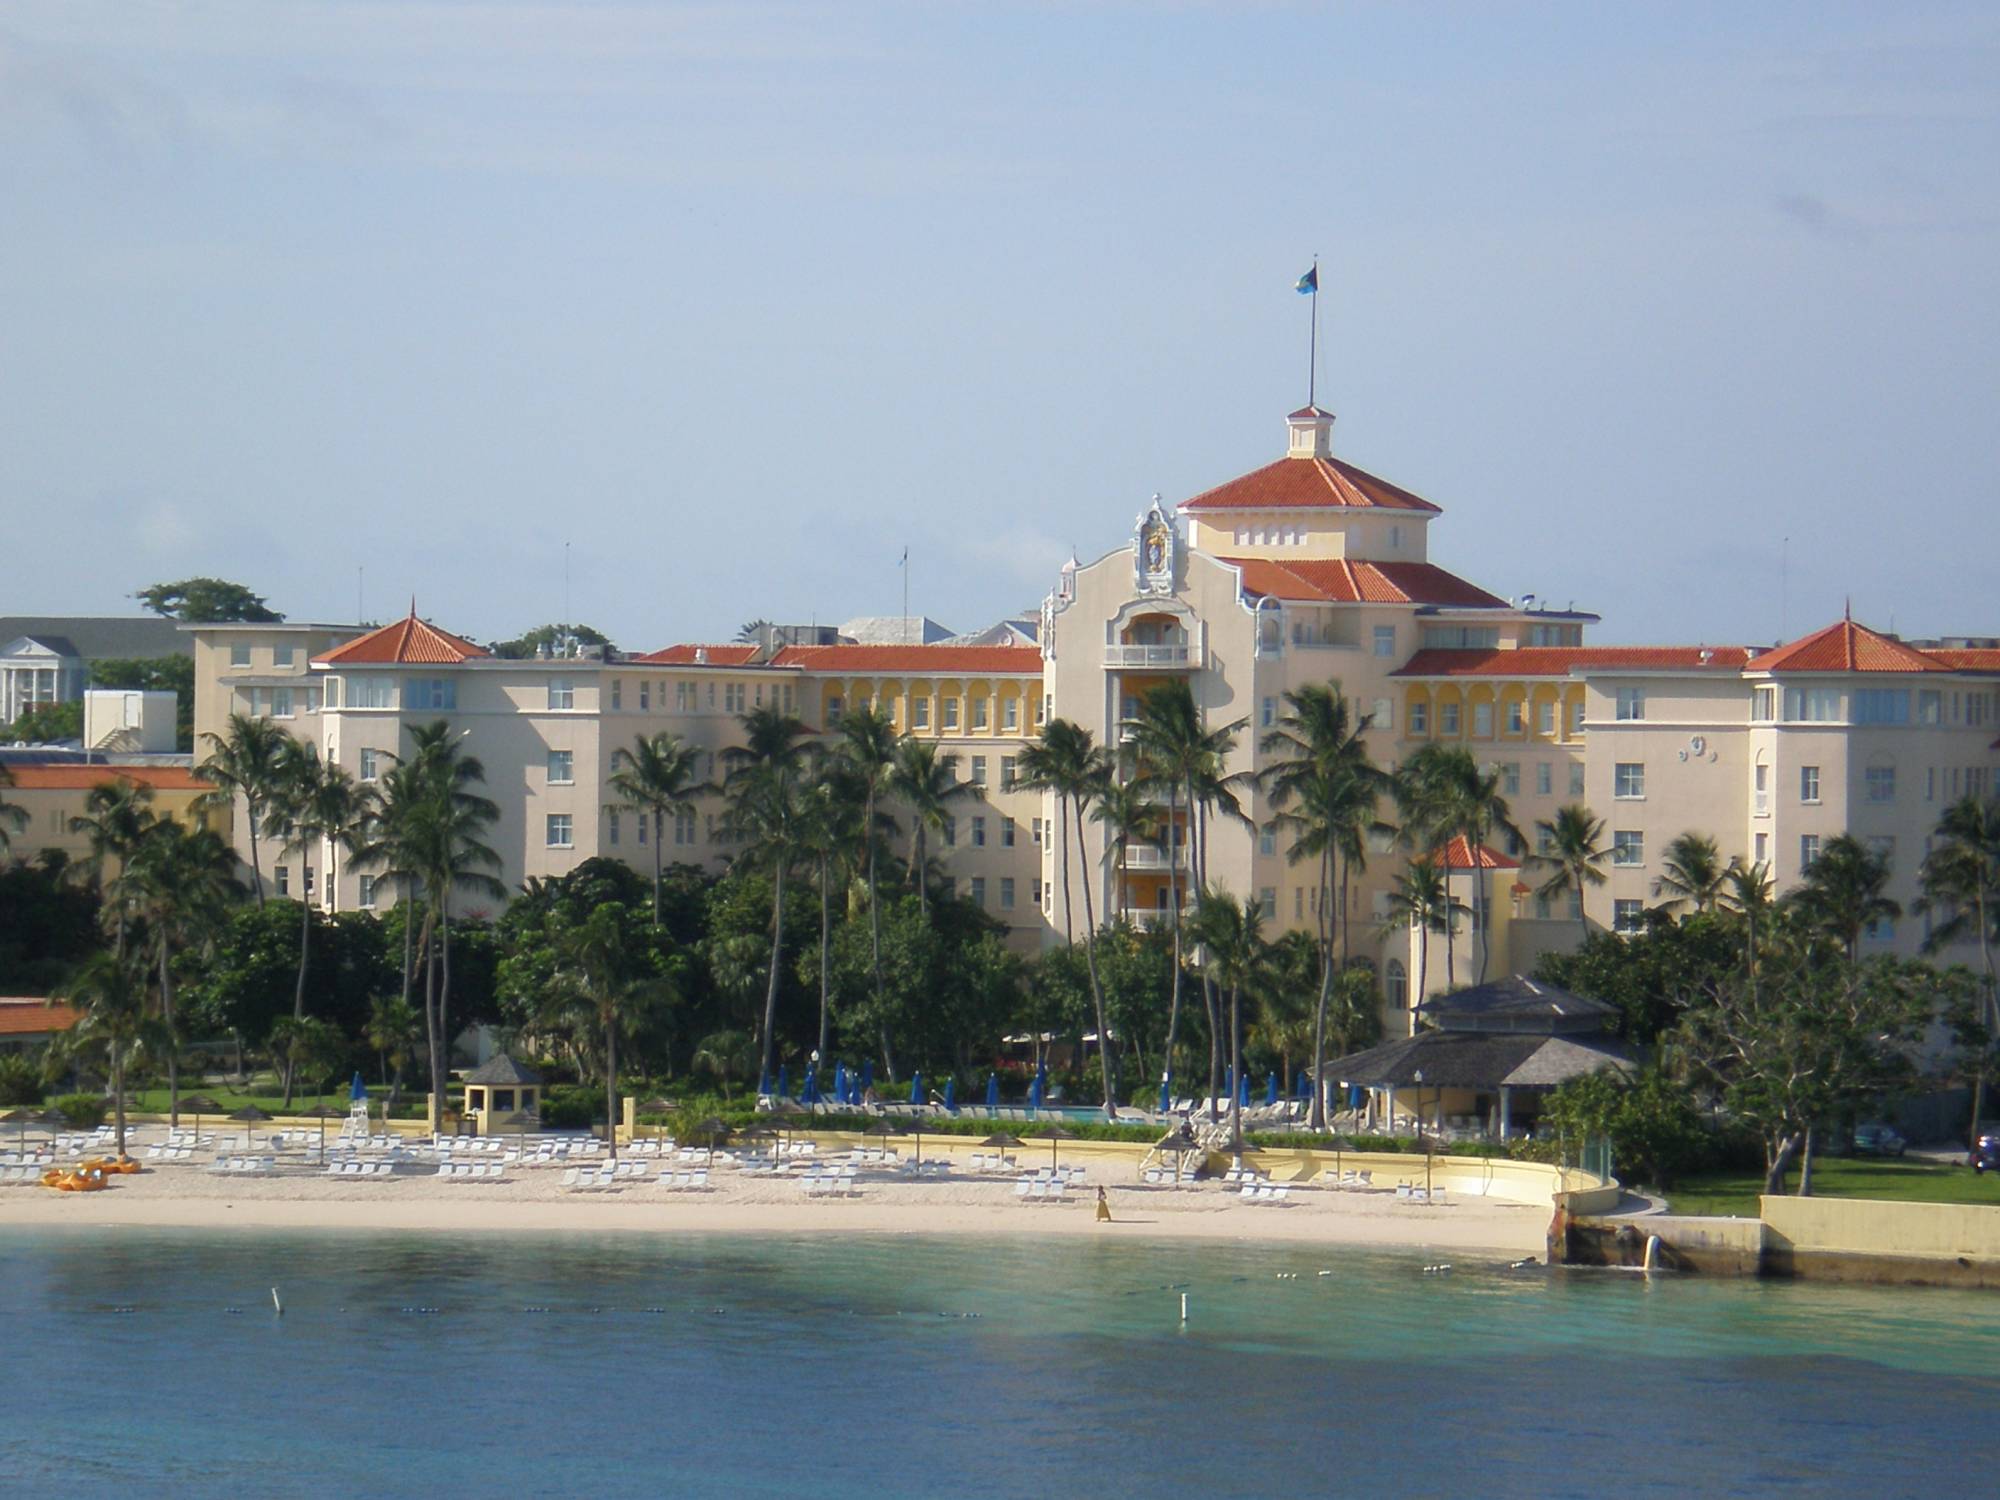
pixel 83 778
pixel 1962 659
pixel 984 661
pixel 1307 411
pixel 1560 661
pixel 1341 582
pixel 1846 647
pixel 1453 856
pixel 714 656
pixel 1309 484
pixel 29 1017
pixel 408 640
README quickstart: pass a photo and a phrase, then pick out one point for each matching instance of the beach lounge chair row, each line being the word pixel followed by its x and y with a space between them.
pixel 359 1169
pixel 1042 1190
pixel 832 1182
pixel 1164 1177
pixel 19 1176
pixel 26 1158
pixel 1405 1193
pixel 939 1166
pixel 682 1182
pixel 589 1179
pixel 990 1161
pixel 1278 1194
pixel 1236 1176
pixel 472 1171
pixel 169 1153
pixel 874 1156
pixel 1346 1181
pixel 244 1166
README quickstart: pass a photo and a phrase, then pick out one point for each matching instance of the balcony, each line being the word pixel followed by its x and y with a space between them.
pixel 1149 857
pixel 1145 916
pixel 1160 658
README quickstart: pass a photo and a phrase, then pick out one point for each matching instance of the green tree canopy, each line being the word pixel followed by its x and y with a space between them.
pixel 207 601
pixel 529 642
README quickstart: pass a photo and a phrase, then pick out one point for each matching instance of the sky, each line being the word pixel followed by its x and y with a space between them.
pixel 1685 314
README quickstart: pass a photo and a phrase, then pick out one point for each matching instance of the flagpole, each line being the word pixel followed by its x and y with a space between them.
pixel 1312 374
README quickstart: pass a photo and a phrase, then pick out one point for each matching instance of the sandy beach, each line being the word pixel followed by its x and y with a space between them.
pixel 532 1200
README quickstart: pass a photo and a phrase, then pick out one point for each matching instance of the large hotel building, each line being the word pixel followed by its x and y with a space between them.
pixel 1307 570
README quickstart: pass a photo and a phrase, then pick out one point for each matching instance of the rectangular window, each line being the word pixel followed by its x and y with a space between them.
pixel 1267 713
pixel 1764 705
pixel 239 654
pixel 1382 714
pixel 611 822
pixel 1510 778
pixel 1881 782
pixel 1808 783
pixel 1576 778
pixel 1267 839
pixel 1035 831
pixel 979 714
pixel 562 693
pixel 431 693
pixel 617 693
pixel 562 766
pixel 1808 851
pixel 1267 902
pixel 1631 703
pixel 281 656
pixel 1006 772
pixel 281 703
pixel 1928 700
pixel 1762 847
pixel 948 714
pixel 1516 722
pixel 920 713
pixel 1482 721
pixel 641 821
pixel 979 890
pixel 1006 833
pixel 1545 718
pixel 979 770
pixel 951 833
pixel 732 698
pixel 1930 783
pixel 1628 779
pixel 684 827
pixel 559 831
pixel 1448 720
pixel 1041 710
pixel 646 695
pixel 1881 705
pixel 1812 705
pixel 312 700
pixel 284 874
pixel 834 708
pixel 1010 714
pixel 1006 893
pixel 371 764
pixel 1628 847
pixel 978 831
pixel 1035 890
pixel 1420 717
pixel 1385 640
pixel 1627 916
pixel 372 692
pixel 367 896
pixel 1544 778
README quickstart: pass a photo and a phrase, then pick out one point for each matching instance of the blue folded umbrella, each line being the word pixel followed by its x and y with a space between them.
pixel 951 1095
pixel 784 1082
pixel 1243 1092
pixel 359 1090
pixel 763 1083
pixel 1271 1089
pixel 992 1090
pixel 917 1087
pixel 868 1075
pixel 1165 1102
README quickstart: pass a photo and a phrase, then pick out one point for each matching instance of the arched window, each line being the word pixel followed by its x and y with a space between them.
pixel 1398 980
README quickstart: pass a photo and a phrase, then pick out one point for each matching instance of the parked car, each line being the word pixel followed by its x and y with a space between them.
pixel 1879 1140
pixel 1986 1153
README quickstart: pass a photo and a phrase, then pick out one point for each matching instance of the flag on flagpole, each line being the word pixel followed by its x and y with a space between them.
pixel 904 560
pixel 1308 283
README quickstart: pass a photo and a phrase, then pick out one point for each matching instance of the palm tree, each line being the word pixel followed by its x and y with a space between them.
pixel 1692 869
pixel 1960 879
pixel 112 999
pixel 117 816
pixel 869 752
pixel 246 762
pixel 1326 786
pixel 1065 760
pixel 12 814
pixel 391 1033
pixel 767 810
pixel 1421 898
pixel 1446 796
pixel 179 884
pixel 928 784
pixel 1231 933
pixel 1128 815
pixel 316 803
pixel 1573 850
pixel 1746 893
pixel 598 977
pixel 1178 755
pixel 1842 892
pixel 656 778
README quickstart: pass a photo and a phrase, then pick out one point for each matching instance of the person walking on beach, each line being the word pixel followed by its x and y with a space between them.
pixel 1103 1208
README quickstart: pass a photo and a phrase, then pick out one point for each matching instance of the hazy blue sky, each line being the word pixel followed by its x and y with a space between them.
pixel 741 300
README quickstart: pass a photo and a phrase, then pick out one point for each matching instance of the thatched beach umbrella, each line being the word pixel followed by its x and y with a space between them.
pixel 322 1113
pixel 250 1115
pixel 1052 1133
pixel 712 1130
pixel 661 1107
pixel 883 1129
pixel 1005 1142
pixel 198 1105
pixel 1179 1143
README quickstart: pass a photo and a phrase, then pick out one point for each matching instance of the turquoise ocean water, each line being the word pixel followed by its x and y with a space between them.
pixel 547 1365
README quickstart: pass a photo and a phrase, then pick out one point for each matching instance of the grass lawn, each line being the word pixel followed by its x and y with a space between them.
pixel 1840 1177
pixel 268 1096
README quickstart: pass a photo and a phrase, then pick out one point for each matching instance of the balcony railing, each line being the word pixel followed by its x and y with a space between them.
pixel 1148 656
pixel 1141 916
pixel 1149 857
